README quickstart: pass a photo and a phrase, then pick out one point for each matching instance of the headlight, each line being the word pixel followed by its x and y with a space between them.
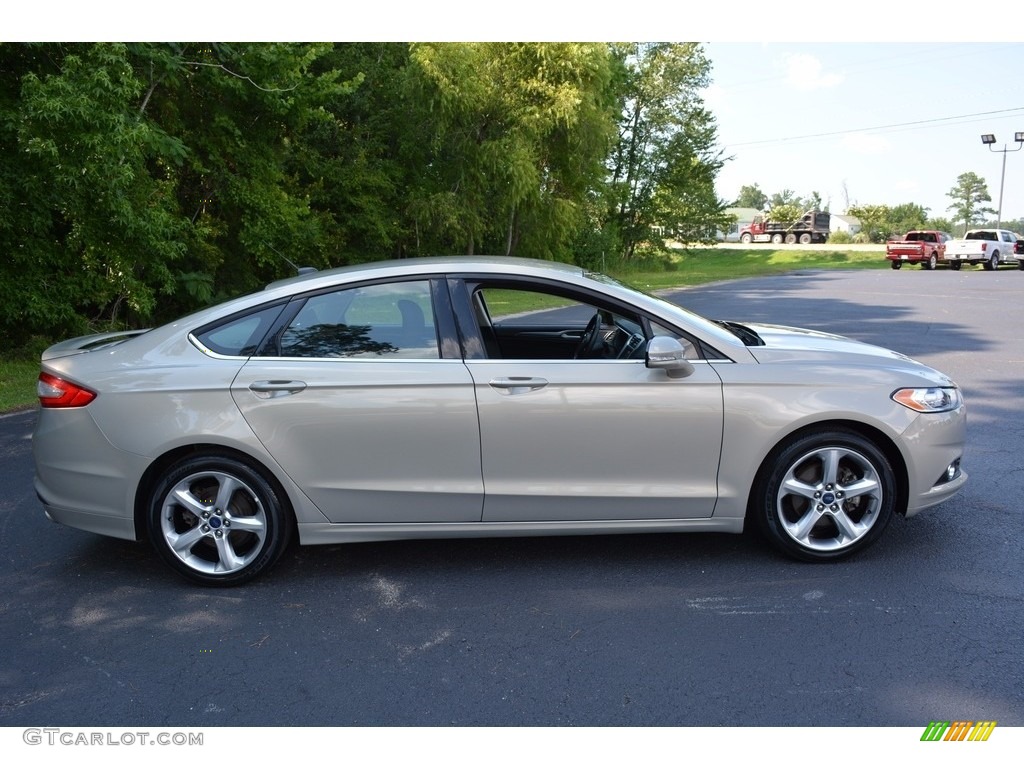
pixel 929 400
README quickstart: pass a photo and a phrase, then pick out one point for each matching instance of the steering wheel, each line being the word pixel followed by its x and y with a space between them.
pixel 590 342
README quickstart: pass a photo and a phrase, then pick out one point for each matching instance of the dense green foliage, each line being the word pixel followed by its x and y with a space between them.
pixel 140 181
pixel 882 222
pixel 751 196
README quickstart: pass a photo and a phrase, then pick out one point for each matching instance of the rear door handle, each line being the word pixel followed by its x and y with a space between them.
pixel 277 388
pixel 517 385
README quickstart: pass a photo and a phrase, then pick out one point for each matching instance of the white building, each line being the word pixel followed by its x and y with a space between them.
pixel 848 224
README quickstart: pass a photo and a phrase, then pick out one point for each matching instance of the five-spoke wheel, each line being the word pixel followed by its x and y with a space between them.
pixel 217 521
pixel 826 495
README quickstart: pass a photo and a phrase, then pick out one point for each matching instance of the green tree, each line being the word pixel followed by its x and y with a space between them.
pixel 143 180
pixel 786 197
pixel 968 196
pixel 785 212
pixel 940 224
pixel 241 112
pixel 662 168
pixel 875 221
pixel 751 196
pixel 905 217
pixel 517 136
pixel 91 226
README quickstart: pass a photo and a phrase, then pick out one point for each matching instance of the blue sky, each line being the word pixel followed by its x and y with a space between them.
pixel 832 118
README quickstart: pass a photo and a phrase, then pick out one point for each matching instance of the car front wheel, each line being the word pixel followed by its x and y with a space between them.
pixel 217 520
pixel 825 496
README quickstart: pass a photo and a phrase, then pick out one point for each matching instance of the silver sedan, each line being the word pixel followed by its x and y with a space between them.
pixel 481 397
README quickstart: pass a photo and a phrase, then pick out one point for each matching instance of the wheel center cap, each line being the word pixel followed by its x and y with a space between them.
pixel 214 522
pixel 828 498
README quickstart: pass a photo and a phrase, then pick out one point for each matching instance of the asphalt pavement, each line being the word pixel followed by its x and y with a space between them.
pixel 695 629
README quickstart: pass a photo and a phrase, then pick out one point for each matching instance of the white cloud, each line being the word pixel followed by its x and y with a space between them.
pixel 805 73
pixel 864 144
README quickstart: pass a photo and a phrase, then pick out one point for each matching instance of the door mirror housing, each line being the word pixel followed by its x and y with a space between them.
pixel 667 354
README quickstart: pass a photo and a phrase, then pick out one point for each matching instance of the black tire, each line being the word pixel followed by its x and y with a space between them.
pixel 790 239
pixel 217 521
pixel 746 238
pixel 896 264
pixel 931 262
pixel 777 238
pixel 1020 264
pixel 805 239
pixel 955 265
pixel 801 500
pixel 993 262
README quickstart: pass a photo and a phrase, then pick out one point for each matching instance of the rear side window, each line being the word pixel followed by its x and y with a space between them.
pixel 239 336
pixel 393 320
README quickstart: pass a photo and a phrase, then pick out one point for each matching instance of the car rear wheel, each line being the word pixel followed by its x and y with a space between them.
pixel 217 520
pixel 825 496
pixel 955 265
pixel 805 239
pixel 931 263
pixel 896 264
pixel 993 262
pixel 777 238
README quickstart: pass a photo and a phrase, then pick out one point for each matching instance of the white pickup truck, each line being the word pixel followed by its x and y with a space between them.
pixel 988 247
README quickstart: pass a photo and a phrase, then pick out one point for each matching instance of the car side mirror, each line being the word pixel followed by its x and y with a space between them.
pixel 667 354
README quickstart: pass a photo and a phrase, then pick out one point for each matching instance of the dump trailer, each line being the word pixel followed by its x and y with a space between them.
pixel 812 227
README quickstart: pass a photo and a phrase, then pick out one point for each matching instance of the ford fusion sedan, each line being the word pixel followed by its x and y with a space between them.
pixel 456 397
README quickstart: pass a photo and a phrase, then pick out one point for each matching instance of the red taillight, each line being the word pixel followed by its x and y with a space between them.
pixel 58 393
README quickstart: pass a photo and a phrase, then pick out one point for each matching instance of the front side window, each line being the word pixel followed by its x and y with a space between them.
pixel 519 322
pixel 390 320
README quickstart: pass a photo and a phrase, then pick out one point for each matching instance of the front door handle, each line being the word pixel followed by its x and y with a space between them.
pixel 517 385
pixel 277 388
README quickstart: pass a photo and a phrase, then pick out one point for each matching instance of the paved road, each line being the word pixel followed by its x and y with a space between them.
pixel 642 630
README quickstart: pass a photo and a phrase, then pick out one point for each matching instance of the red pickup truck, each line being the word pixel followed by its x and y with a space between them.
pixel 922 246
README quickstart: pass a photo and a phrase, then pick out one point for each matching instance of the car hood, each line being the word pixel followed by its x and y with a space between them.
pixel 786 344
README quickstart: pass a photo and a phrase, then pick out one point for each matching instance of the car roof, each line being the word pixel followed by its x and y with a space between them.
pixel 420 264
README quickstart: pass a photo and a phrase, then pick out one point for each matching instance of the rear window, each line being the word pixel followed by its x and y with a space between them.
pixel 980 235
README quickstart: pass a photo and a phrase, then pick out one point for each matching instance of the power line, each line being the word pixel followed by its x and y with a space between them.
pixel 874 128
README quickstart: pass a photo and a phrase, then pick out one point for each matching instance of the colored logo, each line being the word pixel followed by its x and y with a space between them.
pixel 959 730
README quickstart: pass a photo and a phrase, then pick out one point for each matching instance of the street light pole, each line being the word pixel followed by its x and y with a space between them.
pixel 988 139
